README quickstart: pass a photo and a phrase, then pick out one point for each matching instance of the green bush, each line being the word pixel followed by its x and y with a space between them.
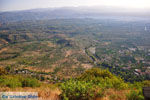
pixel 78 90
pixel 30 82
pixel 14 81
pixel 146 83
pixel 91 84
pixel 10 81
pixel 136 85
pixel 95 73
pixel 140 85
pixel 103 78
pixel 135 95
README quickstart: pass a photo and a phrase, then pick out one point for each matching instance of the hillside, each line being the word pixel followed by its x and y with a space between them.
pixel 69 46
pixel 74 58
pixel 93 84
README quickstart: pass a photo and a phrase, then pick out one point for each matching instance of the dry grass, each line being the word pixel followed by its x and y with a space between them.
pixel 32 54
pixel 3 49
pixel 51 44
pixel 51 92
pixel 111 94
pixel 45 92
pixel 87 66
pixel 38 69
pixel 104 98
pixel 68 53
pixel 3 41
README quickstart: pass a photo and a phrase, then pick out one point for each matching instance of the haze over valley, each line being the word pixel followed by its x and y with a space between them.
pixel 74 51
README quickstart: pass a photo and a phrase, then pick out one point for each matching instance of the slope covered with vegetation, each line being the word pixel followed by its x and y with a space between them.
pixel 66 47
pixel 81 59
pixel 93 84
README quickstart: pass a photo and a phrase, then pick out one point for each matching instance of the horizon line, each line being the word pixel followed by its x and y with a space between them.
pixel 132 9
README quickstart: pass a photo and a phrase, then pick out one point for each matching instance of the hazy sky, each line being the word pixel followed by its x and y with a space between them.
pixel 8 5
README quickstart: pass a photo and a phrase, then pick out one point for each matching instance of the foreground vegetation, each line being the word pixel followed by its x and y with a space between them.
pixel 14 81
pixel 93 84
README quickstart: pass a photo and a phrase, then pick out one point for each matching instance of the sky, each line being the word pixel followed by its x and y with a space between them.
pixel 10 5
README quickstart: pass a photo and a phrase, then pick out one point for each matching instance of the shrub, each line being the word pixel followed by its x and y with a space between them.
pixel 2 71
pixel 94 73
pixel 10 81
pixel 8 68
pixel 14 81
pixel 103 78
pixel 146 83
pixel 78 90
pixel 118 83
pixel 30 82
pixel 135 95
pixel 136 85
pixel 140 85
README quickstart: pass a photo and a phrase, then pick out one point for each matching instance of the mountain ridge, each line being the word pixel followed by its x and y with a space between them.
pixel 73 12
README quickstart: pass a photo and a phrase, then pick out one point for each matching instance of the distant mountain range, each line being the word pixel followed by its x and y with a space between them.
pixel 73 12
